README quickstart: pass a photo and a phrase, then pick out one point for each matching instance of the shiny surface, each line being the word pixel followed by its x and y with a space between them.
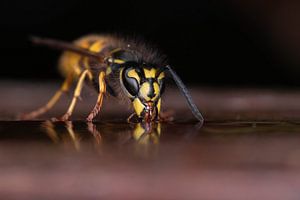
pixel 248 148
pixel 114 160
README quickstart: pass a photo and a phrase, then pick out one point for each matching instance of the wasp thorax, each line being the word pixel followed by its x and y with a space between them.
pixel 144 86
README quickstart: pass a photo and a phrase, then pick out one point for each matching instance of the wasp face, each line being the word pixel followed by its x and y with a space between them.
pixel 144 86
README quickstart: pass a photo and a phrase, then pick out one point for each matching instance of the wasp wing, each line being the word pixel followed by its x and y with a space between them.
pixel 57 44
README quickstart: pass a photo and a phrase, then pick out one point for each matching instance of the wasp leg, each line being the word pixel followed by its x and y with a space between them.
pixel 64 88
pixel 102 91
pixel 76 95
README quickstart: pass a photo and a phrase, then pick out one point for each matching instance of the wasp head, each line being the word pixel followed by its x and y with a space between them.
pixel 144 85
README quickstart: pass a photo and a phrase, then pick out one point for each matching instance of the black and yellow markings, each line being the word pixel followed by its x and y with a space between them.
pixel 96 46
pixel 77 67
pixel 149 90
pixel 138 106
pixel 161 76
pixel 113 60
pixel 74 63
pixel 133 74
pixel 95 57
pixel 158 105
pixel 150 73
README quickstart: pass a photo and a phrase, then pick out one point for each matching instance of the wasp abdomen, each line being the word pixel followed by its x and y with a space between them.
pixel 73 63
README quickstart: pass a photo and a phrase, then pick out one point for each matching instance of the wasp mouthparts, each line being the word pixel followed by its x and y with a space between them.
pixel 149 112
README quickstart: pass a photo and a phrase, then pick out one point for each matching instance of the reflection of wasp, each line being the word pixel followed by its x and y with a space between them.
pixel 143 134
pixel 146 133
pixel 117 66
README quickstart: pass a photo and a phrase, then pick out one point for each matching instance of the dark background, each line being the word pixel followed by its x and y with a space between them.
pixel 210 42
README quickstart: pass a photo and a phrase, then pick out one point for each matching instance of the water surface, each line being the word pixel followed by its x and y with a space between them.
pixel 179 160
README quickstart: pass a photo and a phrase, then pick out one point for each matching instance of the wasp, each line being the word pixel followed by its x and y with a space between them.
pixel 114 65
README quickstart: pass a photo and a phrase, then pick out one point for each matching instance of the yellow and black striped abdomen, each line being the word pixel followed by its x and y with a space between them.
pixel 73 63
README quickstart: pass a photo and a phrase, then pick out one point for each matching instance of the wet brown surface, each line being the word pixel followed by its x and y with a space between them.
pixel 249 148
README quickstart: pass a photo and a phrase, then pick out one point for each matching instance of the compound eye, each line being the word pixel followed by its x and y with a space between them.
pixel 131 81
